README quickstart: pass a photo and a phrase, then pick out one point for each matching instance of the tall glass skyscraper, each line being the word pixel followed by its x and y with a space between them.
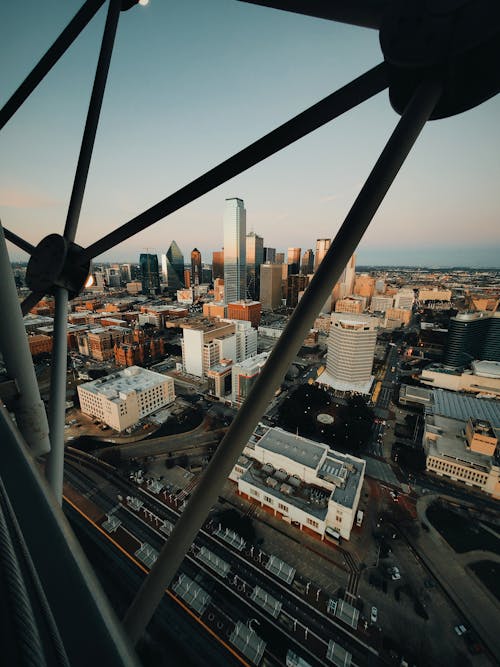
pixel 235 230
pixel 150 273
pixel 255 257
pixel 172 266
pixel 322 246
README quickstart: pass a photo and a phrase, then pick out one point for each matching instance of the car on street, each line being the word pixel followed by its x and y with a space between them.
pixel 374 615
pixel 460 629
pixel 394 573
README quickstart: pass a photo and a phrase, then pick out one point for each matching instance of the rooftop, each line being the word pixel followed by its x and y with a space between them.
pixel 451 443
pixel 131 379
pixel 463 407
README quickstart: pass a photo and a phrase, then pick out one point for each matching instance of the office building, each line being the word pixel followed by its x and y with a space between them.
pixel 218 265
pixel 172 266
pixel 305 483
pixel 99 343
pixel 244 374
pixel 195 267
pixel 269 255
pixel 125 273
pixel 427 296
pixel 255 257
pixel 120 400
pixel 219 289
pixel 472 336
pixel 345 284
pixel 280 258
pixel 322 246
pixel 214 309
pixel 149 272
pixel 351 304
pixel 187 278
pixel 364 285
pixel 293 260
pixel 482 378
pixel 270 286
pixel 381 303
pixel 245 310
pixel 205 343
pixel 397 317
pixel 296 284
pixel 219 379
pixel 351 349
pixel 307 266
pixel 234 250
pixel 40 343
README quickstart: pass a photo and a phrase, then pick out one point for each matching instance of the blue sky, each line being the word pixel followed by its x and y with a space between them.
pixel 191 83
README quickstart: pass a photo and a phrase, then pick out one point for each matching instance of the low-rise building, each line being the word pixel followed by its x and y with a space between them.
pixel 244 375
pixel 39 343
pixel 219 379
pixel 121 399
pixel 301 482
pixel 483 378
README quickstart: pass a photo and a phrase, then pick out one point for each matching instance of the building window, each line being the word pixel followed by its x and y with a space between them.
pixel 283 508
pixel 312 522
pixel 268 499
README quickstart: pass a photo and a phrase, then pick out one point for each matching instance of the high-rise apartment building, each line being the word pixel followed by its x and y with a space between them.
pixel 234 250
pixel 322 246
pixel 307 266
pixel 269 255
pixel 254 258
pixel 150 273
pixel 195 267
pixel 351 348
pixel 172 266
pixel 125 273
pixel 293 260
pixel 270 286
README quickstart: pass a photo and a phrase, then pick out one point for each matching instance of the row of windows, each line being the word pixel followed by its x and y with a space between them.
pixel 458 471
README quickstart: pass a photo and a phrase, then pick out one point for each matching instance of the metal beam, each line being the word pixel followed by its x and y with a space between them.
pixel 342 100
pixel 285 350
pixel 47 61
pixel 17 240
pixel 101 75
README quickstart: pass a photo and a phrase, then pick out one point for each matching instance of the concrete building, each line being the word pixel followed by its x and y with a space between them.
pixel 381 303
pixel 293 260
pixel 483 378
pixel 270 286
pixel 134 287
pixel 246 340
pixel 322 246
pixel 254 258
pixel 269 255
pixel 402 315
pixel 215 309
pixel 246 310
pixel 219 379
pixel 234 250
pixel 345 284
pixel 404 298
pixel 99 343
pixel 39 343
pixel 307 266
pixel 351 304
pixel 351 349
pixel 364 285
pixel 463 450
pixel 302 482
pixel 244 375
pixel 433 294
pixel 218 264
pixel 120 400
pixel 296 284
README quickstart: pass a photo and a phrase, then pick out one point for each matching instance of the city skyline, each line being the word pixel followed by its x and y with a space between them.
pixel 182 108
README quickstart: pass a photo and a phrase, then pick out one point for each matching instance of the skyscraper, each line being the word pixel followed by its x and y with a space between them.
pixel 307 265
pixel 270 286
pixel 150 273
pixel 172 266
pixel 472 336
pixel 195 266
pixel 322 246
pixel 294 260
pixel 235 219
pixel 217 264
pixel 269 255
pixel 255 257
pixel 345 285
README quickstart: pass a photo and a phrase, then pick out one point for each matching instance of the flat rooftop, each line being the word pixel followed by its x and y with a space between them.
pixel 295 447
pixel 461 406
pixel 131 379
pixel 451 443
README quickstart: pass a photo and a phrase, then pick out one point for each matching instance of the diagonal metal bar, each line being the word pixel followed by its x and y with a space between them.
pixel 30 302
pixel 91 632
pixel 101 75
pixel 364 13
pixel 346 98
pixel 17 240
pixel 57 399
pixel 28 407
pixel 49 59
pixel 329 271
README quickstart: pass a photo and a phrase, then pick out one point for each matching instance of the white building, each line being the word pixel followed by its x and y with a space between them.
pixel 121 399
pixel 244 375
pixel 235 230
pixel 302 482
pixel 351 349
pixel 404 298
pixel 246 339
pixel 381 303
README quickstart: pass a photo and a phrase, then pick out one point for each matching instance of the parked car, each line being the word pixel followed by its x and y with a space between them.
pixel 460 629
pixel 374 615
